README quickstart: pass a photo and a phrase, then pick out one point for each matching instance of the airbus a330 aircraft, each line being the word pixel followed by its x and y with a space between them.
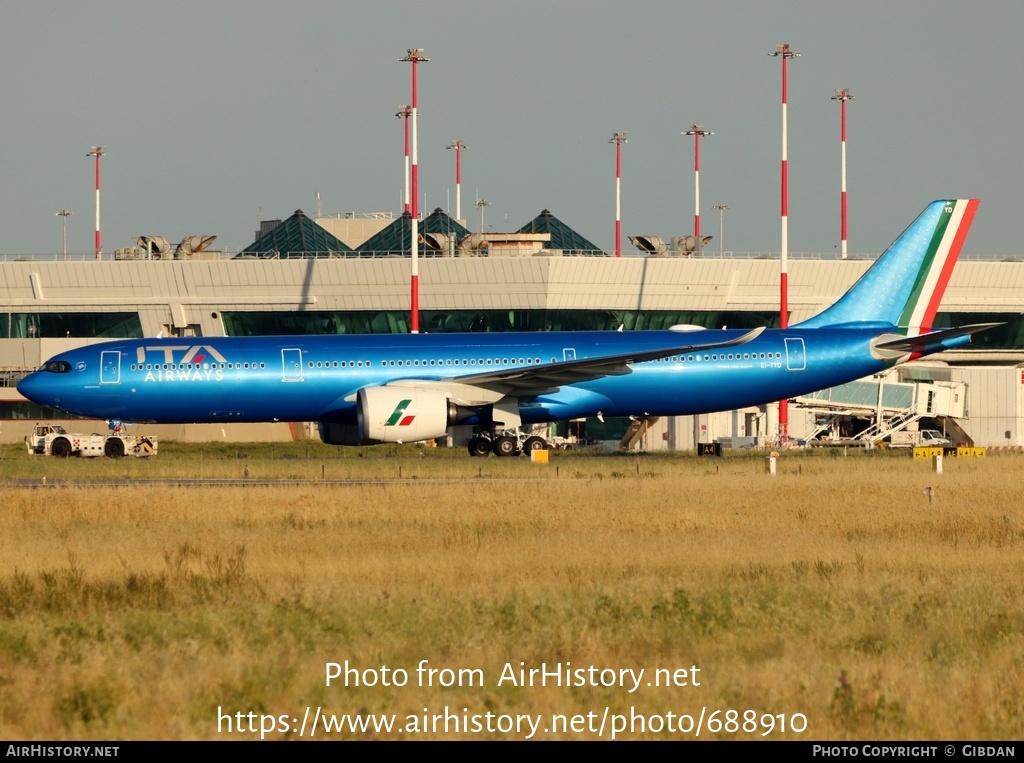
pixel 411 387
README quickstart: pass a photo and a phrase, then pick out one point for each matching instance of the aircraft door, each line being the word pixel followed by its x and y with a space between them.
pixel 796 355
pixel 110 367
pixel 569 353
pixel 291 361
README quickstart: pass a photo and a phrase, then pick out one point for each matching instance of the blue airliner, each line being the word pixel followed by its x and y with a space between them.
pixel 412 387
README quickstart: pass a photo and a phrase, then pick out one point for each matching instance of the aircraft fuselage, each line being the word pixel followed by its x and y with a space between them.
pixel 316 378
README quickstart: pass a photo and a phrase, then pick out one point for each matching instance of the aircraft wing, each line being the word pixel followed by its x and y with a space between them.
pixel 546 377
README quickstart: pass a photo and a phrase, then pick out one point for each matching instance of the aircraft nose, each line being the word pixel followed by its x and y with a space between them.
pixel 35 387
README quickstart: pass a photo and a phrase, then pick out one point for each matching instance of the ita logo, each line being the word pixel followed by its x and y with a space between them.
pixel 398 417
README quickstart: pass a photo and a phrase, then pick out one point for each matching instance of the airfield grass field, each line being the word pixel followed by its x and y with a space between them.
pixel 836 592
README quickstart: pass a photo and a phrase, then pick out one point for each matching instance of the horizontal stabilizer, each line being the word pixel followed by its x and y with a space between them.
pixel 891 348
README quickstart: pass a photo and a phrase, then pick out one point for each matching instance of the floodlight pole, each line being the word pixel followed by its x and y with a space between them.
pixel 414 56
pixel 721 227
pixel 64 214
pixel 696 131
pixel 458 145
pixel 403 113
pixel 481 203
pixel 842 95
pixel 783 51
pixel 97 151
pixel 618 139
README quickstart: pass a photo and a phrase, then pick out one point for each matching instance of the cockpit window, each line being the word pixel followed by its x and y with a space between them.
pixel 57 367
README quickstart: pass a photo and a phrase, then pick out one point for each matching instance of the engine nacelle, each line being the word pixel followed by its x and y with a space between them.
pixel 403 414
pixel 333 433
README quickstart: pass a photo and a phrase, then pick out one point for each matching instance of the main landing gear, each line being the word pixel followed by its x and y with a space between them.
pixel 509 443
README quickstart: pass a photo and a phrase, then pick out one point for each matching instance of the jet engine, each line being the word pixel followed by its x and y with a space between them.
pixel 403 414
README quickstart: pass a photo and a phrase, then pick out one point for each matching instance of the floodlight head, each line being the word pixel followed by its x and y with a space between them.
pixel 697 130
pixel 782 49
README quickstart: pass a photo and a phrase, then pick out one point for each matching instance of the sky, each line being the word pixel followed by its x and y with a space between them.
pixel 215 115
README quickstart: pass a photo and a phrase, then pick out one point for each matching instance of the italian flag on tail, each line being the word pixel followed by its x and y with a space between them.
pixel 904 287
pixel 933 277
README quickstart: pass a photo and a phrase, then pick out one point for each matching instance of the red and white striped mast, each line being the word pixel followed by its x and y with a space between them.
pixel 782 51
pixel 415 56
pixel 618 139
pixel 403 113
pixel 696 131
pixel 458 145
pixel 97 151
pixel 842 95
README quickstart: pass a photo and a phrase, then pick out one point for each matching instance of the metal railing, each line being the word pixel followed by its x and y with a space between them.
pixel 497 254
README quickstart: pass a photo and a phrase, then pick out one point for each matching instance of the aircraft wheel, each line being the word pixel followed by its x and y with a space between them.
pixel 479 447
pixel 61 448
pixel 113 448
pixel 534 443
pixel 505 446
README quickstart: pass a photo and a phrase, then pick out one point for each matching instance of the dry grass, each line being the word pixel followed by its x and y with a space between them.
pixel 836 590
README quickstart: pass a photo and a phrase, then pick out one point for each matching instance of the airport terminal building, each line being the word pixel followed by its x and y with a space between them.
pixel 351 275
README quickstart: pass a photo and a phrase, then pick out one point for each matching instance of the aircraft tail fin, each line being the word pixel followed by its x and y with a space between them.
pixel 905 285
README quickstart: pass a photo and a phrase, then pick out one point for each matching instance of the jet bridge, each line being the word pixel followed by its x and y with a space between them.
pixel 889 406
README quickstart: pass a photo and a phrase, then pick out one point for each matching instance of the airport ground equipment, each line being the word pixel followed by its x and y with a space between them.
pixel 54 440
pixel 925 438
